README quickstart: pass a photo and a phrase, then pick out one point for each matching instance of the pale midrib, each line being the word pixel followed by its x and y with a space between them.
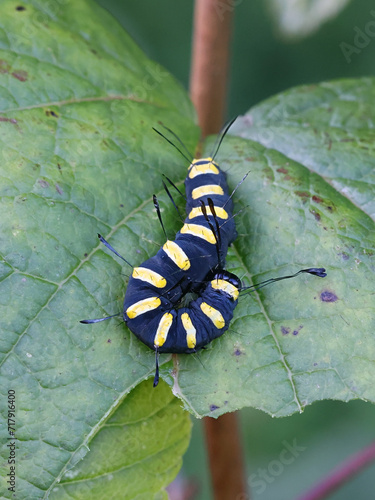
pixel 69 482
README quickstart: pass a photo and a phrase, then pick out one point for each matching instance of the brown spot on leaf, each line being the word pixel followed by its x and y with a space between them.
pixel 282 170
pixel 344 256
pixel 49 112
pixel 4 66
pixel 58 189
pixel 316 215
pixel 43 183
pixel 285 330
pixel 237 352
pixel 20 8
pixel 304 195
pixel 21 75
pixel 214 407
pixel 10 120
pixel 328 296
pixel 317 199
pixel 109 341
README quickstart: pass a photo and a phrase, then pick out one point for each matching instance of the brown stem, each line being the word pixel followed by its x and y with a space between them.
pixel 342 474
pixel 210 61
pixel 225 457
pixel 208 85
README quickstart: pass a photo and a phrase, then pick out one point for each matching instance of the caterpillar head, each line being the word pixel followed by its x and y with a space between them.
pixel 227 282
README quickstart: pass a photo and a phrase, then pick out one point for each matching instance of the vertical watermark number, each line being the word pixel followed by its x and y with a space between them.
pixel 11 445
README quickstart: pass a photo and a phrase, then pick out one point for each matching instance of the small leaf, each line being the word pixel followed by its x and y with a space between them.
pixel 135 453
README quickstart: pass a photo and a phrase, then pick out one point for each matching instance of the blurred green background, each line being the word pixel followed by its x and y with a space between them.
pixel 264 63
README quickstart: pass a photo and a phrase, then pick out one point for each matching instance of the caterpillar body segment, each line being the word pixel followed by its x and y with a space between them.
pixel 209 316
pixel 211 185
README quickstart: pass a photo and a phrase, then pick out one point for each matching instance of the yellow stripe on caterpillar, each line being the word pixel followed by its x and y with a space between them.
pixel 163 329
pixel 143 306
pixel 213 314
pixel 177 255
pixel 208 189
pixel 225 286
pixel 203 166
pixel 149 276
pixel 202 232
pixel 219 211
pixel 191 332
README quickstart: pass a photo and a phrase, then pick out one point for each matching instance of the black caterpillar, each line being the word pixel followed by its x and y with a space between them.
pixel 193 262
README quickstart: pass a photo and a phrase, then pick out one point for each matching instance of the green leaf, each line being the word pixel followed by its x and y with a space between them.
pixel 310 199
pixel 78 101
pixel 329 128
